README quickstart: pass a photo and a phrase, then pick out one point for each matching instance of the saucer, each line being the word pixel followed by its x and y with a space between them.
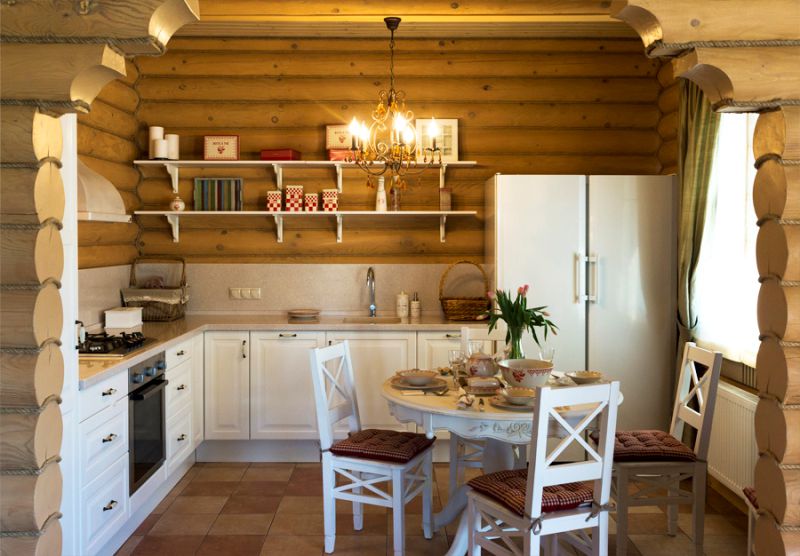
pixel 400 384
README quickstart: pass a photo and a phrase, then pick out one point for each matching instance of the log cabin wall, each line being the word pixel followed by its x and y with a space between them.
pixel 668 102
pixel 524 106
pixel 107 144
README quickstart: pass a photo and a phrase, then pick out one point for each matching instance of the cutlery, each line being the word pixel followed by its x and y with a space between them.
pixel 480 405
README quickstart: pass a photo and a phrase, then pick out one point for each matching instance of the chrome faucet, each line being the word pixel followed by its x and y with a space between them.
pixel 371 287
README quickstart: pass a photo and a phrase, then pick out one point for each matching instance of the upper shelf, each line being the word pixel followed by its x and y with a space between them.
pixel 173 167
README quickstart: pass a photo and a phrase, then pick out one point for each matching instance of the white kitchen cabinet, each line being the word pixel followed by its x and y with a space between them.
pixel 433 348
pixel 227 385
pixel 197 396
pixel 377 356
pixel 281 392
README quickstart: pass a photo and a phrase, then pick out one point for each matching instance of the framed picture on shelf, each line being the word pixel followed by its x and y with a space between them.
pixel 221 147
pixel 337 137
pixel 446 139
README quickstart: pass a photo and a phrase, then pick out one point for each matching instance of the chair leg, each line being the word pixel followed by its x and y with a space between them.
pixel 672 509
pixel 455 461
pixel 474 520
pixel 751 531
pixel 622 511
pixel 532 545
pixel 600 536
pixel 328 504
pixel 427 496
pixel 552 541
pixel 699 506
pixel 358 507
pixel 398 512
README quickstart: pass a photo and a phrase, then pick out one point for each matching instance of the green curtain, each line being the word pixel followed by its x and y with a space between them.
pixel 697 134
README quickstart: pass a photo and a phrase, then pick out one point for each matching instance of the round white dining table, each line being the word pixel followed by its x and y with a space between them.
pixel 501 429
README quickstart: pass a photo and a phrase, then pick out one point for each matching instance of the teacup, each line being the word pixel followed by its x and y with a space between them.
pixel 517 395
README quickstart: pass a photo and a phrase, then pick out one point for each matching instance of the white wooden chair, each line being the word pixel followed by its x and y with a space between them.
pixel 551 498
pixel 751 499
pixel 657 462
pixel 465 453
pixel 383 468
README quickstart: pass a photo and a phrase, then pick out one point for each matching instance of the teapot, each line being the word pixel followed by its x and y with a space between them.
pixel 481 364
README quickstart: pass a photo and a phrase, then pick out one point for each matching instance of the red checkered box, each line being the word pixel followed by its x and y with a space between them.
pixel 274 201
pixel 294 192
pixel 294 204
pixel 311 202
pixel 330 200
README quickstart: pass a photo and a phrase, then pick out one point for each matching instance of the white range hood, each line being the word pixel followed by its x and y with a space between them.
pixel 98 199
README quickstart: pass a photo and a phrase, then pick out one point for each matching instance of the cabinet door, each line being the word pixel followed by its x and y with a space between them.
pixel 376 357
pixel 197 397
pixel 227 385
pixel 433 348
pixel 281 393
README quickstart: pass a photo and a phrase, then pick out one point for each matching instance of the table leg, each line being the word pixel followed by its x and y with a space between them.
pixel 497 456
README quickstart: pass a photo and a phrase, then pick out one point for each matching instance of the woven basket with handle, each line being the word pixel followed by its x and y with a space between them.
pixel 464 308
pixel 158 304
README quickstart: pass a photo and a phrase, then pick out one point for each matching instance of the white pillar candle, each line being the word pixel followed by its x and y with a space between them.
pixel 156 132
pixel 160 149
pixel 173 146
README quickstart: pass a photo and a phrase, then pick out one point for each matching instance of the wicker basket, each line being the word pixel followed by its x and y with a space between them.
pixel 464 308
pixel 158 304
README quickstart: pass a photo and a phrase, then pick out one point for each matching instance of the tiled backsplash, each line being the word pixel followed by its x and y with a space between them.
pixel 332 288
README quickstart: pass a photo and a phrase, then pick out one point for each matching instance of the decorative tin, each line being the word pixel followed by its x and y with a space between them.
pixel 274 201
pixel 330 200
pixel 311 202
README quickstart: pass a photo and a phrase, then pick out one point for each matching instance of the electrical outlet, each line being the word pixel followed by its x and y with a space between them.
pixel 255 293
pixel 235 293
pixel 245 293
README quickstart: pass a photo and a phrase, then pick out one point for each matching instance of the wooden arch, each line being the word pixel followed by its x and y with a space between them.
pixel 744 56
pixel 55 57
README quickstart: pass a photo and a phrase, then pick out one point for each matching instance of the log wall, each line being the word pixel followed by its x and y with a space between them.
pixel 668 101
pixel 107 144
pixel 539 106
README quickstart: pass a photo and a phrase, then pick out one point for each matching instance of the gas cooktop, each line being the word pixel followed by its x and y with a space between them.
pixel 105 346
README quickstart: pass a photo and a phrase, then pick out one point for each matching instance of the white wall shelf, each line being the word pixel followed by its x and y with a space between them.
pixel 174 217
pixel 173 167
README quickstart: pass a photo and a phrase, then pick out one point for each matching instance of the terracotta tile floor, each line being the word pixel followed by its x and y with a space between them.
pixel 246 509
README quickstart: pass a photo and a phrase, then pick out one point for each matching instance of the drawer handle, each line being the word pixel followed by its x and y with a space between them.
pixel 109 438
pixel 181 387
pixel 109 392
pixel 110 506
pixel 181 438
pixel 285 335
pixel 452 335
pixel 244 349
pixel 181 352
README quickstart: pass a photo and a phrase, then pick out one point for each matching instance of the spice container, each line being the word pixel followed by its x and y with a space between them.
pixel 416 308
pixel 402 305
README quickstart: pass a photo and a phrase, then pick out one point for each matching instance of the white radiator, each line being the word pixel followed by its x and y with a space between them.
pixel 733 452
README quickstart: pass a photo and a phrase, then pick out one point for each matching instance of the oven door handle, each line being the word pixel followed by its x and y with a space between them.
pixel 149 390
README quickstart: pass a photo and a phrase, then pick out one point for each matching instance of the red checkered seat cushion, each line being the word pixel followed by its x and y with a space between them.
pixel 383 445
pixel 650 445
pixel 508 488
pixel 750 494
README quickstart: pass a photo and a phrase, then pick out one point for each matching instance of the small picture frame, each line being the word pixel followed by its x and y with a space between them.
pixel 338 137
pixel 446 141
pixel 221 147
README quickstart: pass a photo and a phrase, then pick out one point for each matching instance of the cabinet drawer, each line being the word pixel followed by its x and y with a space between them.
pixel 179 439
pixel 103 438
pixel 104 506
pixel 179 353
pixel 102 395
pixel 178 393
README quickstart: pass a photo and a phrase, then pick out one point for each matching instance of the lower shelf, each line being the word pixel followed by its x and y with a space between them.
pixel 174 218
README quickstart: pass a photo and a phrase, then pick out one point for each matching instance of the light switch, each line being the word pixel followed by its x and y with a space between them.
pixel 245 293
pixel 235 293
pixel 255 293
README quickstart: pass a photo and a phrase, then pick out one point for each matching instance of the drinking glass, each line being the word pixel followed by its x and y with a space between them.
pixel 475 346
pixel 456 358
pixel 547 354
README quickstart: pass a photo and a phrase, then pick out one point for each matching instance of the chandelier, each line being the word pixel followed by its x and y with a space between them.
pixel 390 143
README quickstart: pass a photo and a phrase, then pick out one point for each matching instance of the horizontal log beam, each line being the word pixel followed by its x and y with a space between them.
pixel 776 192
pixel 30 317
pixel 43 543
pixel 28 379
pixel 28 136
pixel 29 500
pixel 778 251
pixel 31 195
pixel 773 540
pixel 778 133
pixel 31 255
pixel 778 371
pixel 779 310
pixel 776 431
pixel 30 440
pixel 778 490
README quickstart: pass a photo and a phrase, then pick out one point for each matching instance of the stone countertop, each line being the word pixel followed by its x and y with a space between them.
pixel 167 334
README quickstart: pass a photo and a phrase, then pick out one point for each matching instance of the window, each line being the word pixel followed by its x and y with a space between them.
pixel 726 283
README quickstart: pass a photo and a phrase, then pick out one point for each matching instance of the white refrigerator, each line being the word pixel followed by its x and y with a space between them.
pixel 600 252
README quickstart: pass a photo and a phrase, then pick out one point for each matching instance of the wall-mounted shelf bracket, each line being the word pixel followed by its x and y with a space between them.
pixel 173 172
pixel 339 181
pixel 338 227
pixel 442 228
pixel 278 175
pixel 174 223
pixel 442 172
pixel 279 227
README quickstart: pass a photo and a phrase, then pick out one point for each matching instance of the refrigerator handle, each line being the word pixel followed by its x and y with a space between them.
pixel 594 296
pixel 577 278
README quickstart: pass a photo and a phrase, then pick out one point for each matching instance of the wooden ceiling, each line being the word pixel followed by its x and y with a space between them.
pixel 421 19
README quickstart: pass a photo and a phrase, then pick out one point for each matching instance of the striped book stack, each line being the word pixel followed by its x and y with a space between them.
pixel 215 194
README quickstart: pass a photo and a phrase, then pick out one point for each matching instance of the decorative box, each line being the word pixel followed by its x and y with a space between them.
pixel 294 204
pixel 280 154
pixel 221 147
pixel 311 202
pixel 339 154
pixel 123 317
pixel 293 191
pixel 338 137
pixel 330 200
pixel 274 201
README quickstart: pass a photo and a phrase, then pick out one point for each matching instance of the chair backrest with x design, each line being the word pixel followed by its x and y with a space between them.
pixel 334 390
pixel 600 402
pixel 696 396
pixel 497 337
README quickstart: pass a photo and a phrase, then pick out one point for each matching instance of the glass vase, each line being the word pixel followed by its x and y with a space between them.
pixel 514 347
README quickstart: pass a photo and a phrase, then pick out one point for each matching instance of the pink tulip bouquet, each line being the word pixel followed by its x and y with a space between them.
pixel 518 318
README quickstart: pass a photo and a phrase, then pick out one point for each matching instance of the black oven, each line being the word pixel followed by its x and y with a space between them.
pixel 146 419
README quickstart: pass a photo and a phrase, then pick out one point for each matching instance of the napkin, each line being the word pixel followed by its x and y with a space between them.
pixel 464 400
pixel 483 382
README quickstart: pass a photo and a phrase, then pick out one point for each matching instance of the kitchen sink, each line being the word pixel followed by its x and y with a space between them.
pixel 371 320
